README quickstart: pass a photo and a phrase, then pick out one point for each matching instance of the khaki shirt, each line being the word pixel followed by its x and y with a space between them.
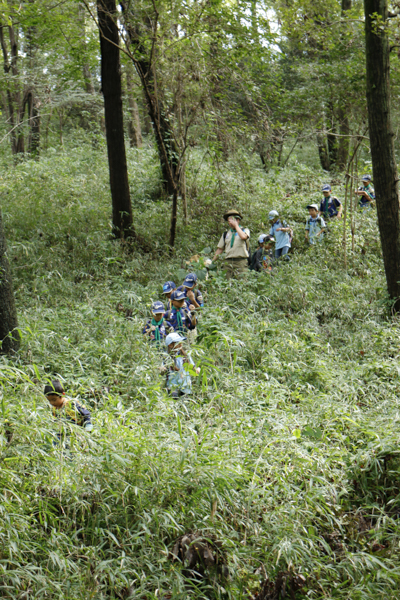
pixel 239 248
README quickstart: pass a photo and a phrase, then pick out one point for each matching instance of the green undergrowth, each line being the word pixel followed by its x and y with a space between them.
pixel 287 451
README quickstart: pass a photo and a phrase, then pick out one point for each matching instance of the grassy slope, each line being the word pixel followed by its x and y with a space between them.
pixel 287 451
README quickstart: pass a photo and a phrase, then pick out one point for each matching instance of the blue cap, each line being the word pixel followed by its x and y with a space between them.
pixel 190 280
pixel 178 295
pixel 158 308
pixel 326 188
pixel 366 178
pixel 168 287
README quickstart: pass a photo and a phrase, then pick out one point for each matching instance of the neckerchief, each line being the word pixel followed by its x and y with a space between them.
pixel 233 236
pixel 157 325
pixel 179 318
pixel 326 211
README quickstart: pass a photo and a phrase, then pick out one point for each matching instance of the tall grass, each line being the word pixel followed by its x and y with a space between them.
pixel 287 452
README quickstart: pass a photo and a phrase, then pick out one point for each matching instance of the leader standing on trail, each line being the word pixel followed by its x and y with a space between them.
pixel 235 244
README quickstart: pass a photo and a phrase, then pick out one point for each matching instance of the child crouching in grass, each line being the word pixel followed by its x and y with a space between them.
pixel 66 409
pixel 179 381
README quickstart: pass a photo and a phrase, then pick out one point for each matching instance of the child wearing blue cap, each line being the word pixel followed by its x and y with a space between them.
pixel 179 316
pixel 168 288
pixel 179 381
pixel 330 206
pixel 194 296
pixel 157 328
pixel 366 192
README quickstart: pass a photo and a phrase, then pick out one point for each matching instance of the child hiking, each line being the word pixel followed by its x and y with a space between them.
pixel 179 381
pixel 66 411
pixel 315 225
pixel 330 206
pixel 179 316
pixel 366 193
pixel 157 329
pixel 261 259
pixel 282 233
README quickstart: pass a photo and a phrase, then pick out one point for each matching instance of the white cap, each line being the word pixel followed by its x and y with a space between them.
pixel 174 338
pixel 273 214
pixel 313 206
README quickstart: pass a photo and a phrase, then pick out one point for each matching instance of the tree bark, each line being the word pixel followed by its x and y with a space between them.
pixel 134 129
pixel 16 107
pixel 168 149
pixel 113 111
pixel 343 116
pixel 34 124
pixel 323 152
pixel 9 334
pixel 382 141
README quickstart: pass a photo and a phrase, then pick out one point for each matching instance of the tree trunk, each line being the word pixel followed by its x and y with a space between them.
pixel 168 149
pixel 343 116
pixel 382 143
pixel 323 152
pixel 344 129
pixel 16 107
pixel 113 111
pixel 34 124
pixel 9 334
pixel 134 129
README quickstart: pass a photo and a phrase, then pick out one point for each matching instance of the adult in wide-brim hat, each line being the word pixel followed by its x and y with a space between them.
pixel 232 213
pixel 235 244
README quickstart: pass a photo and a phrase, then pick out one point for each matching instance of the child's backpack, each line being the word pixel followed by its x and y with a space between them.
pixel 252 261
pixel 249 258
pixel 318 220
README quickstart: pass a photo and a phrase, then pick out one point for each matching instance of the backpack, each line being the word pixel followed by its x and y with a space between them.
pixel 249 258
pixel 318 220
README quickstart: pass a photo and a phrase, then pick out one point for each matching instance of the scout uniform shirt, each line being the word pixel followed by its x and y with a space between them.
pixel 314 226
pixel 157 331
pixel 233 244
pixel 179 319
pixel 364 202
pixel 72 412
pixel 198 296
pixel 329 206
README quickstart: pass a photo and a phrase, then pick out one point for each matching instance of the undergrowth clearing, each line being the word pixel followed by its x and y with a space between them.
pixel 286 456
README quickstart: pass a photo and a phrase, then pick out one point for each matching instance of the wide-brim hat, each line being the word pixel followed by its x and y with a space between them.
pixel 232 213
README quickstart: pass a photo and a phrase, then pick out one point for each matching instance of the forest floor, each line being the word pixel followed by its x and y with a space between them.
pixel 284 461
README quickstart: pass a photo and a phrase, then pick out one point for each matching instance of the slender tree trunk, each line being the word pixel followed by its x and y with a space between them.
pixel 34 124
pixel 323 152
pixel 343 115
pixel 112 91
pixel 16 107
pixel 9 334
pixel 381 139
pixel 167 145
pixel 134 129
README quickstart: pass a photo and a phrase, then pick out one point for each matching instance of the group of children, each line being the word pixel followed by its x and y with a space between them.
pixel 329 208
pixel 172 323
pixel 170 327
